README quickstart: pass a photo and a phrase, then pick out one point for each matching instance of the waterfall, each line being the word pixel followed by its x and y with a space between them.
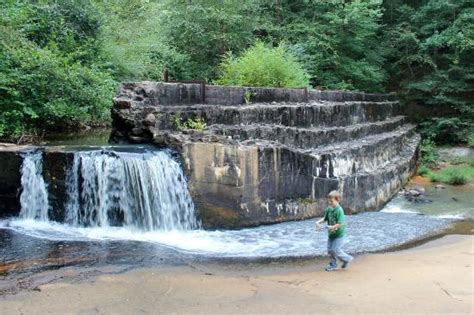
pixel 147 191
pixel 34 195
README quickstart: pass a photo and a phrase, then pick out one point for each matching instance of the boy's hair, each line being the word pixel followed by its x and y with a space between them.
pixel 335 194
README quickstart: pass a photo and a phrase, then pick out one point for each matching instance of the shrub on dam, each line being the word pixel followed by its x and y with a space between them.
pixel 261 65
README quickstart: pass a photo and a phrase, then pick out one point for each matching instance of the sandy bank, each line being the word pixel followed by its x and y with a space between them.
pixel 436 277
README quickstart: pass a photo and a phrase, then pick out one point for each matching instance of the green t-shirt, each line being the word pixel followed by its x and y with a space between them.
pixel 334 216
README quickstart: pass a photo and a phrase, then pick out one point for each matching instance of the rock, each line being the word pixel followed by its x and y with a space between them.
pixel 149 120
pixel 137 132
pixel 135 139
pixel 83 126
pixel 10 180
pixel 420 189
pixel 174 139
pixel 159 138
pixel 122 103
pixel 210 138
pixel 439 186
pixel 414 193
pixel 422 200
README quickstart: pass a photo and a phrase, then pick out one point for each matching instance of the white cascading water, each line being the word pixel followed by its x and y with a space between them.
pixel 147 191
pixel 34 195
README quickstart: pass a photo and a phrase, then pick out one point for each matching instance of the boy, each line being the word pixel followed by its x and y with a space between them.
pixel 334 216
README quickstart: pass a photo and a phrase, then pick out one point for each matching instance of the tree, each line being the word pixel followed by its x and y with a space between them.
pixel 51 75
pixel 204 30
pixel 337 41
pixel 429 60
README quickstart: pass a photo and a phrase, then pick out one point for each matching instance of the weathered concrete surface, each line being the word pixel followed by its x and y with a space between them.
pixel 55 163
pixel 148 93
pixel 238 185
pixel 10 177
pixel 276 158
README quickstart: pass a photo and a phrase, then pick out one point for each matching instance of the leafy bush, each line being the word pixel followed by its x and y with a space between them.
pixel 191 123
pixel 42 88
pixel 261 65
pixel 445 130
pixel 457 160
pixel 470 138
pixel 429 152
pixel 51 76
pixel 195 124
pixel 177 122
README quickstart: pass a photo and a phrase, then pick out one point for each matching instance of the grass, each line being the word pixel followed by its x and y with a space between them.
pixel 423 170
pixel 453 175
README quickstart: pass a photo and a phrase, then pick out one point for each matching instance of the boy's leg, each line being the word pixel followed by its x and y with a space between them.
pixel 332 254
pixel 337 244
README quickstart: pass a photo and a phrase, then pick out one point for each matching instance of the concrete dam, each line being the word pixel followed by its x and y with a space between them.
pixel 270 155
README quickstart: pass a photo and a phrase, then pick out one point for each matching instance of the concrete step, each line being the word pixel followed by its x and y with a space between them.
pixel 307 137
pixel 370 190
pixel 306 115
pixel 293 175
pixel 349 157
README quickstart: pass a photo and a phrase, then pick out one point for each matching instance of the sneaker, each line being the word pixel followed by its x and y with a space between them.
pixel 345 264
pixel 330 268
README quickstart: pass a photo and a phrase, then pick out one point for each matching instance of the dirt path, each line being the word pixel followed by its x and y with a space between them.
pixel 433 278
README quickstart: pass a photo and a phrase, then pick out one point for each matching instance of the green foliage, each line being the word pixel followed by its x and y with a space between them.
pixel 60 60
pixel 450 130
pixel 197 123
pixel 261 65
pixel 429 60
pixel 248 97
pixel 460 161
pixel 337 41
pixel 423 170
pixel 429 152
pixel 177 122
pixel 470 137
pixel 205 30
pixel 453 175
pixel 49 74
pixel 135 44
pixel 470 162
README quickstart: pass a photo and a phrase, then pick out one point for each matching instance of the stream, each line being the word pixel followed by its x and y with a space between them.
pixel 31 242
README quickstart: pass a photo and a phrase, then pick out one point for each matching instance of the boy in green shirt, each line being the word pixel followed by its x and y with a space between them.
pixel 334 216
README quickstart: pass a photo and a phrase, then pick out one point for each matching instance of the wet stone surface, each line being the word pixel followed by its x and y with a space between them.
pixel 31 247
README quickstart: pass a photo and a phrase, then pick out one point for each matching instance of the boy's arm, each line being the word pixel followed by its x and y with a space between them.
pixel 318 223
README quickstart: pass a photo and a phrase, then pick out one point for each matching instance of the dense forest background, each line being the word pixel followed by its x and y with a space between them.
pixel 61 61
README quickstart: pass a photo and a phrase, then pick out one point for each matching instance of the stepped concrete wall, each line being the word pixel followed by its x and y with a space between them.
pixel 161 93
pixel 275 158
